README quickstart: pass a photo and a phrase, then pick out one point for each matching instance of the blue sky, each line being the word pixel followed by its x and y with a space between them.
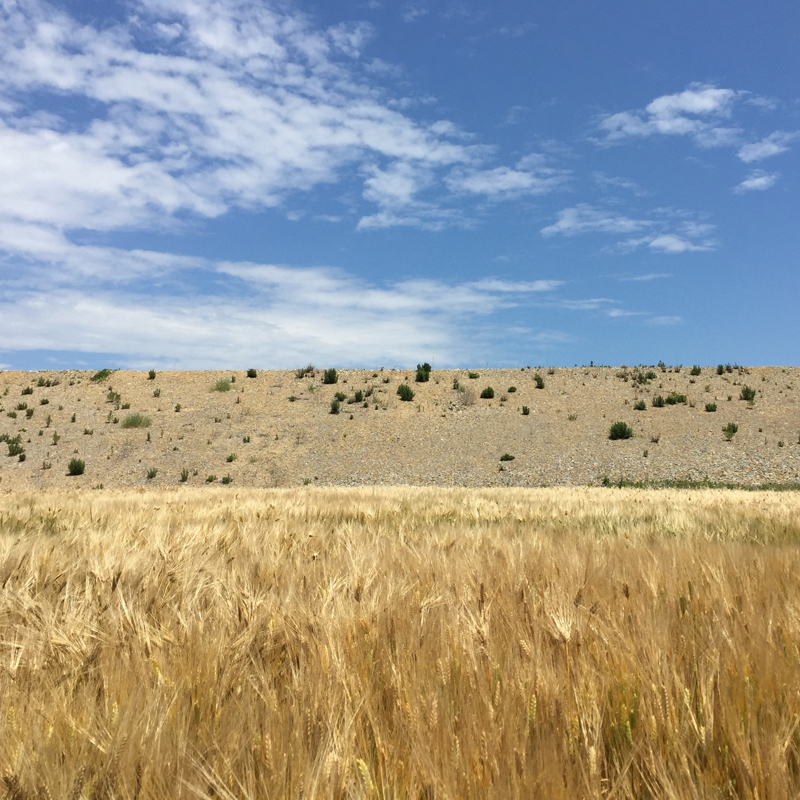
pixel 218 184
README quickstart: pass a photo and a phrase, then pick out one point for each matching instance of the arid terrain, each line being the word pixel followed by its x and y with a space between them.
pixel 277 430
pixel 399 643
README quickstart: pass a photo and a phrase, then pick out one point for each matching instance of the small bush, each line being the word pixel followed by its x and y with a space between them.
pixel 487 393
pixel 22 406
pixel 12 414
pixel 695 370
pixel 620 430
pixel 246 439
pixel 303 371
pixel 222 385
pixel 113 397
pixel 76 467
pixel 539 381
pixel 184 475
pixel 227 479
pixel 151 473
pixel 340 396
pixel 525 411
pixel 251 373
pixel 572 417
pixel 41 381
pixel 658 401
pixel 231 458
pixel 330 376
pixel 674 398
pixel 22 456
pixel 178 406
pixel 336 405
pixel 457 387
pixel 15 447
pixel 473 375
pixel 100 376
pixel 136 421
pixel 125 406
pixel 29 413
pixel 423 373
pixel 639 405
pixel 506 457
pixel 729 430
pixel 88 431
pixel 56 438
pixel 44 401
pixel 156 392
pixel 358 397
pixel 151 375
pixel 405 392
pixel 748 394
pixel 711 406
pixel 512 389
pixel 27 390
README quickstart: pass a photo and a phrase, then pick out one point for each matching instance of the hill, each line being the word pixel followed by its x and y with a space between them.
pixel 277 429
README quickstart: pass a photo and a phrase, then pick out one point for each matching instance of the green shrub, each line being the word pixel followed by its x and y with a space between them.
pixel 211 478
pixel 711 406
pixel 336 405
pixel 525 411
pixel 405 392
pixel 720 369
pixel 292 398
pixel 15 447
pixel 340 396
pixel 423 373
pixel 251 373
pixel 76 467
pixel 178 407
pixel 506 457
pixel 658 401
pixel 136 421
pixel 487 393
pixel 231 458
pixel 539 381
pixel 695 370
pixel 27 390
pixel 21 406
pixel 156 392
pixel 246 439
pixel 56 437
pixel 151 473
pixel 303 371
pixel 674 398
pixel 639 405
pixel 22 456
pixel 512 389
pixel 100 376
pixel 729 430
pixel 619 430
pixel 227 479
pixel 151 376
pixel 125 406
pixel 184 475
pixel 12 414
pixel 222 385
pixel 748 394
pixel 473 375
pixel 113 397
pixel 88 431
pixel 41 381
pixel 358 397
pixel 29 413
pixel 330 376
pixel 44 401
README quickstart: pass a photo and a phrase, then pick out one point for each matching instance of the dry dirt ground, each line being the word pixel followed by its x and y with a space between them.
pixel 257 435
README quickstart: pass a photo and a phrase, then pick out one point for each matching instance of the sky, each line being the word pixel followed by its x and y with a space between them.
pixel 220 184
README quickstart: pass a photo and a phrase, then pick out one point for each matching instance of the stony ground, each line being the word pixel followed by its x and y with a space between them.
pixel 277 430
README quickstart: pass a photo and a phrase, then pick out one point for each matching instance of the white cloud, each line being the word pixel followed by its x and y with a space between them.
pixel 687 235
pixel 584 218
pixel 693 112
pixel 772 145
pixel 757 180
pixel 267 314
pixel 224 105
pixel 413 12
pixel 530 177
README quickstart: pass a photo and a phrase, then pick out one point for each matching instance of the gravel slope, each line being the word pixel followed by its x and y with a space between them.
pixel 443 437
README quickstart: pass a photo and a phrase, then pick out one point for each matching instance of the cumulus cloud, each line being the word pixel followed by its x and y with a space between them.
pixel 757 181
pixel 585 218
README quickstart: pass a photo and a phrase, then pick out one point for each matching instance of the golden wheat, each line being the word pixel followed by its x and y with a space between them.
pixel 400 643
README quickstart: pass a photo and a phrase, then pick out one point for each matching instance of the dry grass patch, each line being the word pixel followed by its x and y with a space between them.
pixel 399 643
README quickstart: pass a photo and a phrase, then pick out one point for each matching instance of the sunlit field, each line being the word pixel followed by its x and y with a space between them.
pixel 400 643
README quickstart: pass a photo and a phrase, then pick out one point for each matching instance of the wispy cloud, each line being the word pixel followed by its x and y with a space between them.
pixel 686 236
pixel 614 182
pixel 772 145
pixel 531 176
pixel 697 112
pixel 757 181
pixel 413 12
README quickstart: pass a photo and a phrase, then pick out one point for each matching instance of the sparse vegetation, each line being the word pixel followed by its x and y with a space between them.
pixel 405 392
pixel 720 369
pixel 151 375
pixel 76 467
pixel 184 475
pixel 525 411
pixel 27 390
pixel 487 393
pixel 227 479
pixel 211 478
pixel 658 401
pixel 506 457
pixel 330 376
pixel 539 381
pixel 711 407
pixel 303 371
pixel 639 405
pixel 748 394
pixel 136 421
pixel 100 376
pixel 620 430
pixel 336 405
pixel 673 398
pixel 696 370
pixel 151 473
pixel 222 385
pixel 231 458
pixel 473 375
pixel 729 430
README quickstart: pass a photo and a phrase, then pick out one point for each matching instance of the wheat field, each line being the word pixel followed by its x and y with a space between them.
pixel 400 643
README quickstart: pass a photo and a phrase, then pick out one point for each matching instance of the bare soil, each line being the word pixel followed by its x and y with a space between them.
pixel 443 437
